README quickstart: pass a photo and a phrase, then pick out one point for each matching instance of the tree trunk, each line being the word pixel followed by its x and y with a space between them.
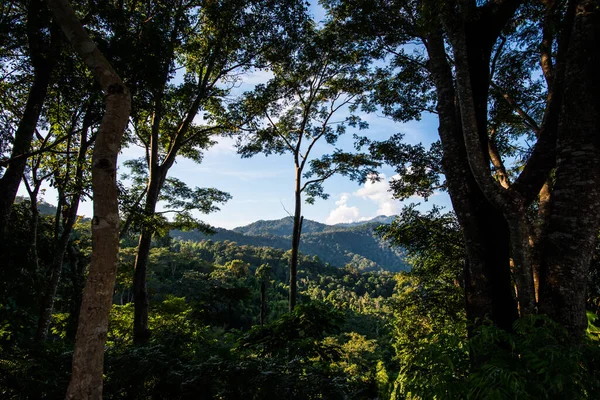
pixel 488 292
pixel 521 247
pixel 141 331
pixel 575 203
pixel 62 242
pixel 539 232
pixel 88 355
pixel 77 282
pixel 263 301
pixel 43 63
pixel 297 230
pixel 34 225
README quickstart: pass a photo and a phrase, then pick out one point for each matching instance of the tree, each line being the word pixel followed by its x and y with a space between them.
pixel 294 113
pixel 42 42
pixel 263 275
pixel 497 47
pixel 213 42
pixel 73 125
pixel 88 356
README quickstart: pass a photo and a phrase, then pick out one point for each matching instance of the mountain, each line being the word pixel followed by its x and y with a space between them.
pixel 339 245
pixel 43 207
pixel 283 227
pixel 280 227
pixel 380 219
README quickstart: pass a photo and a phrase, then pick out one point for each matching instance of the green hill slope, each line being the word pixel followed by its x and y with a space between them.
pixel 338 245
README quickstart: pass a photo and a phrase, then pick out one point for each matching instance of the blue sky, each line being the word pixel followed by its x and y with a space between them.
pixel 262 187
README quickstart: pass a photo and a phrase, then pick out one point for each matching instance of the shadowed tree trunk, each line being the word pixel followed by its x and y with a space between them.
pixel 64 234
pixel 88 356
pixel 141 331
pixel 43 62
pixel 263 274
pixel 263 302
pixel 488 291
pixel 296 233
pixel 77 275
pixel 570 143
pixel 575 203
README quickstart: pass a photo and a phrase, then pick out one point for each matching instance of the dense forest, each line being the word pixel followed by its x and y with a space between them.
pixel 498 298
pixel 355 244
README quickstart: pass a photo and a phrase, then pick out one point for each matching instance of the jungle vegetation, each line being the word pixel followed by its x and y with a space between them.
pixel 503 294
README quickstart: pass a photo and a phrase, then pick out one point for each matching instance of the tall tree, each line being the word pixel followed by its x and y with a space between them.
pixel 295 113
pixel 71 179
pixel 574 216
pixel 214 42
pixel 88 356
pixel 492 45
pixel 263 275
pixel 41 46
pixel 69 124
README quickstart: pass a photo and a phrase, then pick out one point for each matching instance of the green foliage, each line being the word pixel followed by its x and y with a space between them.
pixel 429 332
pixel 35 373
pixel 22 279
pixel 295 112
pixel 536 361
pixel 419 168
pixel 593 329
pixel 338 245
pixel 353 335
pixel 295 335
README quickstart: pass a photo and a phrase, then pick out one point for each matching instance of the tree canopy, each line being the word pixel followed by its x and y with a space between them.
pixel 501 300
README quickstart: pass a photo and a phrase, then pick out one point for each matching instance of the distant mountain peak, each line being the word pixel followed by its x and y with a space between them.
pixel 382 219
pixel 283 226
pixel 352 244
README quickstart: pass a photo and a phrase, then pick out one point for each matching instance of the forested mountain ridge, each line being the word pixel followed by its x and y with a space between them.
pixel 338 245
pixel 283 226
pixel 351 244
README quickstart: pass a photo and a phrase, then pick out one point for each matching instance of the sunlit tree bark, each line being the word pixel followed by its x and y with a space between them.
pixel 88 356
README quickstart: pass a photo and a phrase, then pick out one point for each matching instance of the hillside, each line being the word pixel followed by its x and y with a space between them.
pixel 338 245
pixel 283 227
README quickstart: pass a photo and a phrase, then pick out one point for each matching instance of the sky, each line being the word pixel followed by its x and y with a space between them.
pixel 262 187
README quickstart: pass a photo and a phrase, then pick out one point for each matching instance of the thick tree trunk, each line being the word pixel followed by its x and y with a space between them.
pixel 297 231
pixel 43 63
pixel 88 356
pixel 575 202
pixel 472 41
pixel 488 292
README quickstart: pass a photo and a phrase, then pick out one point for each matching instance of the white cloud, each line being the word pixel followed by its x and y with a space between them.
pixel 379 192
pixel 343 199
pixel 343 213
